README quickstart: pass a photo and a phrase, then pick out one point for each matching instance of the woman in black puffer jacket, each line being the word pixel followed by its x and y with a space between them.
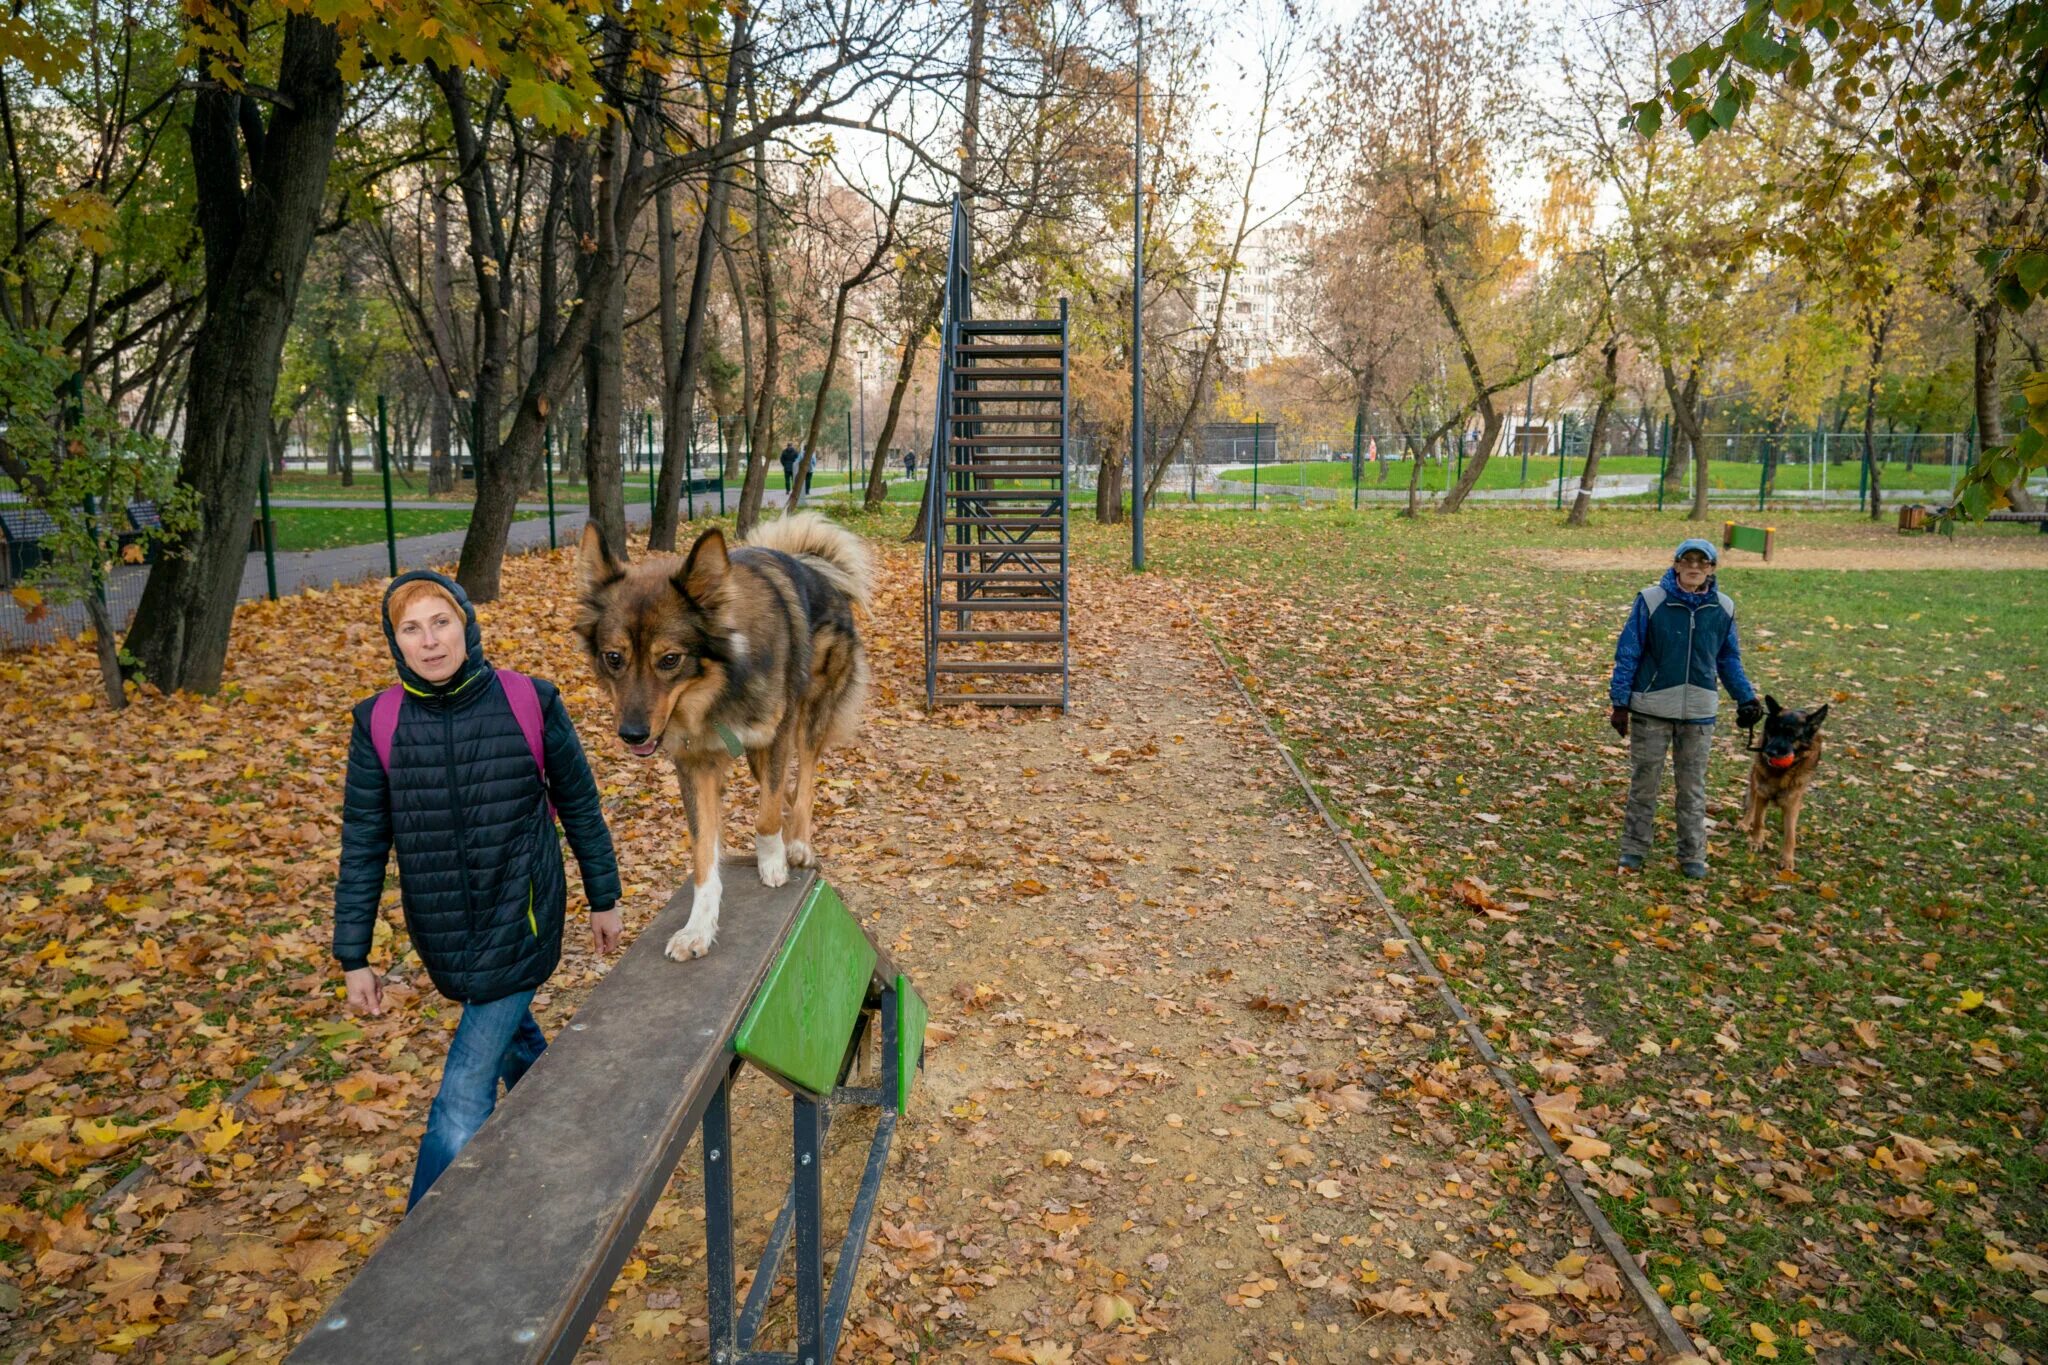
pixel 457 768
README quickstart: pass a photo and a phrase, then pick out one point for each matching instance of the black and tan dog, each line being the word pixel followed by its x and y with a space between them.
pixel 750 650
pixel 1780 772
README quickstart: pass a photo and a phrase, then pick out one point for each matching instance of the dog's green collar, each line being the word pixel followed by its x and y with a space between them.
pixel 730 740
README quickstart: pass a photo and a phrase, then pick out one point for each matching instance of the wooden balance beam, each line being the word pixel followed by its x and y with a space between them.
pixel 510 1257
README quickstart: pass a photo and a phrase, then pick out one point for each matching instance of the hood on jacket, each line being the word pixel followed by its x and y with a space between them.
pixel 1671 589
pixel 472 638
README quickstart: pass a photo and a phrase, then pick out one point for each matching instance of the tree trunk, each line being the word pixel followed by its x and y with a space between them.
pixel 1988 321
pixel 1109 486
pixel 679 407
pixel 1482 397
pixel 441 427
pixel 679 397
pixel 497 483
pixel 1685 418
pixel 745 428
pixel 1882 328
pixel 762 445
pixel 106 649
pixel 1590 475
pixel 878 470
pixel 256 241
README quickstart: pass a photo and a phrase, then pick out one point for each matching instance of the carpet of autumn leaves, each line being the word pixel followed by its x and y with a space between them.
pixel 1181 1105
pixel 1813 1102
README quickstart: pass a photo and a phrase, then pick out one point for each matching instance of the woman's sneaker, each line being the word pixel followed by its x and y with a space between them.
pixel 1694 869
pixel 1631 862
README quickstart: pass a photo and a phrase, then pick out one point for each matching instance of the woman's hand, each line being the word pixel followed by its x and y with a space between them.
pixel 606 929
pixel 365 991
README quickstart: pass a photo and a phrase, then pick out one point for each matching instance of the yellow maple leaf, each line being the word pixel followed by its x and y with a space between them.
pixel 1971 1000
pixel 652 1324
pixel 105 1132
pixel 191 1120
pixel 217 1139
pixel 1536 1286
pixel 190 755
pixel 78 886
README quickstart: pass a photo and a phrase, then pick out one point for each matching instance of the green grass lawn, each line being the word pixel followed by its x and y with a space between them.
pixel 324 528
pixel 1824 1094
pixel 1506 472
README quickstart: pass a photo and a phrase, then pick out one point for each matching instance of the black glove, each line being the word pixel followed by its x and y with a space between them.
pixel 1618 718
pixel 1749 714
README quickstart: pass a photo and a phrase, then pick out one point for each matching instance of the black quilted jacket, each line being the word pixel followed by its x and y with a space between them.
pixel 479 863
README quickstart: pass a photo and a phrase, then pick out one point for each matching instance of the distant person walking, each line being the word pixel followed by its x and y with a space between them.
pixel 789 459
pixel 909 463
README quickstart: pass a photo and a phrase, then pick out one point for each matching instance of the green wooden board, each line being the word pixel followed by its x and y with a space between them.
pixel 803 1016
pixel 911 1017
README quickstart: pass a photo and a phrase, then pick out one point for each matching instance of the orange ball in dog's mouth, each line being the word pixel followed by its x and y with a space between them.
pixel 1787 761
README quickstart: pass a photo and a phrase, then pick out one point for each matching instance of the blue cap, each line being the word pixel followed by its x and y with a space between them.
pixel 1705 547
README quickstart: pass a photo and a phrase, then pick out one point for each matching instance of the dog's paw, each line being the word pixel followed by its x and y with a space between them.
pixel 771 859
pixel 695 938
pixel 799 853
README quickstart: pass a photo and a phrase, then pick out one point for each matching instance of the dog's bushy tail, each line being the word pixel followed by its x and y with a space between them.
pixel 835 552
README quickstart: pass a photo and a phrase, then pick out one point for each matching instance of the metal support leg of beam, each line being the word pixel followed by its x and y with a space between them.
pixel 718 1258
pixel 807 1185
pixel 819 1316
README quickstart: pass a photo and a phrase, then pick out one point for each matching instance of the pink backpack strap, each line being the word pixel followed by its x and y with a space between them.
pixel 384 722
pixel 525 699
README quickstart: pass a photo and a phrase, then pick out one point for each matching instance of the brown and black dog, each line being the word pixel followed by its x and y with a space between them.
pixel 1780 772
pixel 749 650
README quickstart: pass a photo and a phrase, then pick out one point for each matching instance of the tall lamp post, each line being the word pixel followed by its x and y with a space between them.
pixel 1138 309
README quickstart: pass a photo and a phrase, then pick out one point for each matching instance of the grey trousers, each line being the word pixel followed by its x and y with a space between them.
pixel 1648 741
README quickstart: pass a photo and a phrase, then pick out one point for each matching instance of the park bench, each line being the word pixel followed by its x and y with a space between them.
pixel 1939 516
pixel 23 529
pixel 143 518
pixel 510 1257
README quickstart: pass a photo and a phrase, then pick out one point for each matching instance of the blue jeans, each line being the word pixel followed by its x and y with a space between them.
pixel 494 1042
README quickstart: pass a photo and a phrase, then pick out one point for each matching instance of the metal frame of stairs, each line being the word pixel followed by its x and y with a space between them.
pixel 996 532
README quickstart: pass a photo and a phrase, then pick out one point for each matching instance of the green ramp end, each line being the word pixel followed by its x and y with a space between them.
pixel 803 1016
pixel 911 1016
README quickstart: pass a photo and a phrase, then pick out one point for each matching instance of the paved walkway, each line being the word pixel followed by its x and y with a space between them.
pixel 316 568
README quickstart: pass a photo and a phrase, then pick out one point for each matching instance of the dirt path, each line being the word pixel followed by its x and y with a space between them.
pixel 1178 1104
pixel 1889 551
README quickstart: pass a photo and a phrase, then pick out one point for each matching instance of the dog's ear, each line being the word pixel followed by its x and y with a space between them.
pixel 595 566
pixel 1771 704
pixel 703 572
pixel 1813 721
